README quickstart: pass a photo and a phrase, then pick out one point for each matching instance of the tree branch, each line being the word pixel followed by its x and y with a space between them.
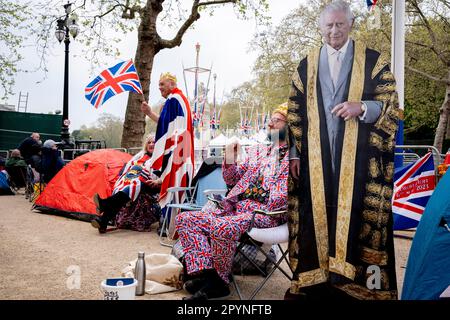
pixel 430 32
pixel 419 44
pixel 433 78
pixel 207 3
pixel 194 16
pixel 127 11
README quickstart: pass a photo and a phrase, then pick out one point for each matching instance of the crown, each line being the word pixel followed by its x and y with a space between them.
pixel 168 76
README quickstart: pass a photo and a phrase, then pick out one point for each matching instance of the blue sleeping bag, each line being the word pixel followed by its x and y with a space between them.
pixel 428 269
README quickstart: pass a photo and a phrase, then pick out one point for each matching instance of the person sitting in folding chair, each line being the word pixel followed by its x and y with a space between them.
pixel 209 236
pixel 15 160
pixel 135 178
pixel 17 170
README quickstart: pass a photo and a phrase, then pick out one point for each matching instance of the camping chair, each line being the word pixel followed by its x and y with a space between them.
pixel 17 177
pixel 34 185
pixel 207 181
pixel 264 236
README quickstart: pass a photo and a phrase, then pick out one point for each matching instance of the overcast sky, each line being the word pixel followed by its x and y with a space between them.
pixel 224 41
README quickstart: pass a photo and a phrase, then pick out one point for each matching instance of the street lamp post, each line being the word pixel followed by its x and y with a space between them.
pixel 65 27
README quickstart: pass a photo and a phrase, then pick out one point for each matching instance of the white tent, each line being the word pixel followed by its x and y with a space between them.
pixel 220 140
pixel 260 136
pixel 248 142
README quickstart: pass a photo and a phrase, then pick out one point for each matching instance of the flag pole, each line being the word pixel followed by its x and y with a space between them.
pixel 139 79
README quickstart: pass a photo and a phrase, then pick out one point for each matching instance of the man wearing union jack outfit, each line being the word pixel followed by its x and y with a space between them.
pixel 174 147
pixel 209 236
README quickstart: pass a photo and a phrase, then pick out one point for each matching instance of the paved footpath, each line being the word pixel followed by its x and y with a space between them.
pixel 37 249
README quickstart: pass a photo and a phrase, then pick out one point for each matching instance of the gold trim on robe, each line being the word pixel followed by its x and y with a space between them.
pixel 298 82
pixel 317 182
pixel 336 264
pixel 376 203
pixel 348 167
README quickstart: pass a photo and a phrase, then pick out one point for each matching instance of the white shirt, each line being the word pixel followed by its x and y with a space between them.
pixel 332 57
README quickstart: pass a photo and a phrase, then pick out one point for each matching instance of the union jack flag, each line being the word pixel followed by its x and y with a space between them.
pixel 133 175
pixel 413 187
pixel 371 4
pixel 174 147
pixel 122 77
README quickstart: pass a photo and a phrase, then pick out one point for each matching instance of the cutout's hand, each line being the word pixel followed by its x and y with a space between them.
pixel 294 168
pixel 348 110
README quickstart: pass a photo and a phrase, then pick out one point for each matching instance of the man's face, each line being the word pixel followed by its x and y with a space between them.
pixel 36 136
pixel 277 127
pixel 166 86
pixel 335 29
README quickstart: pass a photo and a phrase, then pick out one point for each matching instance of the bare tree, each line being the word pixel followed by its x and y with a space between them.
pixel 147 16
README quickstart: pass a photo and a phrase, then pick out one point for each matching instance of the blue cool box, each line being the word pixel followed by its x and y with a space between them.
pixel 125 281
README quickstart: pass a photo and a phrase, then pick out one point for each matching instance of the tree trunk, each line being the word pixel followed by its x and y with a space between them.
pixel 443 120
pixel 147 48
pixel 447 136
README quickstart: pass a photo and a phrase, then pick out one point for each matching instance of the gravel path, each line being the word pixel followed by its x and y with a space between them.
pixel 36 251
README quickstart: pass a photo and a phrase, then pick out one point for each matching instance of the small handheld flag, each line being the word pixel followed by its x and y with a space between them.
pixel 112 81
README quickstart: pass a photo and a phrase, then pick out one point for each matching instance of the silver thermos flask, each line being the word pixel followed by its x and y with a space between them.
pixel 139 274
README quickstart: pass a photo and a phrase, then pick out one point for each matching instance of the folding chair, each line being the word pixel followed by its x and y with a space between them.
pixel 258 237
pixel 34 186
pixel 17 177
pixel 208 176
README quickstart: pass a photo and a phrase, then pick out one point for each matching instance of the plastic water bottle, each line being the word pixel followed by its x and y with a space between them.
pixel 140 274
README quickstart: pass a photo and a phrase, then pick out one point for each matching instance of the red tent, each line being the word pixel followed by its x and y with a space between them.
pixel 72 189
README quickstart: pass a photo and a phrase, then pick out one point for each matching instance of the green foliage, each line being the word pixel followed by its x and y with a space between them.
pixel 230 115
pixel 423 95
pixel 280 48
pixel 13 21
pixel 104 23
pixel 108 128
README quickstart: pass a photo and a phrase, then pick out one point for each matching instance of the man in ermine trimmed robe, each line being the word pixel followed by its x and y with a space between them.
pixel 343 117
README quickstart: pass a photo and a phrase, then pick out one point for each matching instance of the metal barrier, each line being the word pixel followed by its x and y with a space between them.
pixel 6 152
pixel 134 150
pixel 408 157
pixel 436 154
pixel 72 153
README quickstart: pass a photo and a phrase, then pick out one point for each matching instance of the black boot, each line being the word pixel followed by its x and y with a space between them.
pixel 109 208
pixel 214 288
pixel 112 204
pixel 99 224
pixel 195 283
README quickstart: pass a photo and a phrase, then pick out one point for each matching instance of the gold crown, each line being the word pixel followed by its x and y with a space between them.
pixel 282 108
pixel 168 76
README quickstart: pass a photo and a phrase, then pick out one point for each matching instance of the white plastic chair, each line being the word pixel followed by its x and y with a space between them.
pixel 269 236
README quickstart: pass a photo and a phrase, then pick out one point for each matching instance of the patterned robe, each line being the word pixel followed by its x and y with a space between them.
pixel 209 236
pixel 340 224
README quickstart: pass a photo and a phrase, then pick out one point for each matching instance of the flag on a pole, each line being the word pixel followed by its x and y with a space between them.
pixel 112 81
pixel 174 147
pixel 413 187
pixel 371 4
